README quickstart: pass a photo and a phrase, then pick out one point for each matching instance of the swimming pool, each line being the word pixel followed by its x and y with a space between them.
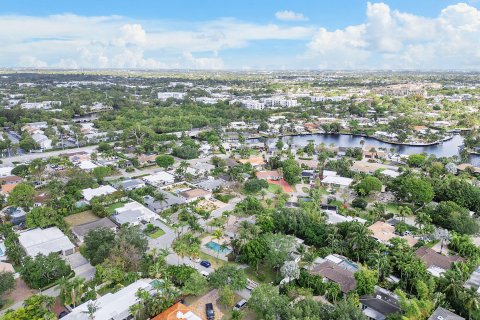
pixel 217 248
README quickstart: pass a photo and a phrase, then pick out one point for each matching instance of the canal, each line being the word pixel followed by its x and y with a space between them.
pixel 445 149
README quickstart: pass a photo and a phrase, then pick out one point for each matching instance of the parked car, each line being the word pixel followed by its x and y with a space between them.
pixel 204 273
pixel 240 305
pixel 205 264
pixel 209 311
pixel 197 260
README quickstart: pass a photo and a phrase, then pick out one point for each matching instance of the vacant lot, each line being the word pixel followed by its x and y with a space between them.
pixel 80 218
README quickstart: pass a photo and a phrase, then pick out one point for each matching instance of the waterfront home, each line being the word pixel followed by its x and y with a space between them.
pixel 256 162
pixel 370 167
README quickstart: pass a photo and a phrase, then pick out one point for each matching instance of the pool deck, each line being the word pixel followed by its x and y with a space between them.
pixel 212 252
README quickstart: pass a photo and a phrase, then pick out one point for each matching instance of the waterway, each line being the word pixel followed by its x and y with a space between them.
pixel 444 149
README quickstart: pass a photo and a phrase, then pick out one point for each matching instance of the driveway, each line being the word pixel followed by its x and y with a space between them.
pixel 165 241
pixel 81 266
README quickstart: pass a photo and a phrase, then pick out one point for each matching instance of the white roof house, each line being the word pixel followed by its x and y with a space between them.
pixel 390 173
pixel 90 193
pixel 132 213
pixel 159 178
pixel 5 171
pixel 87 165
pixel 112 306
pixel 42 140
pixel 45 241
pixel 337 181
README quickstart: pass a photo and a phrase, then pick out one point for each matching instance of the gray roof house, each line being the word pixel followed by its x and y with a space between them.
pixel 212 184
pixel 159 206
pixel 444 314
pixel 380 304
pixel 81 230
pixel 129 184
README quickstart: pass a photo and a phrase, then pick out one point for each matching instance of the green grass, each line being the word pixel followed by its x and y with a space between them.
pixel 157 234
pixel 273 188
pixel 111 208
pixel 264 274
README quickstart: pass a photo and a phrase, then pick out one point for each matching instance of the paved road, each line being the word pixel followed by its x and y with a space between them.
pixel 42 155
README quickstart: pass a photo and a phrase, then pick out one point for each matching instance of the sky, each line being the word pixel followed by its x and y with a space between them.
pixel 241 34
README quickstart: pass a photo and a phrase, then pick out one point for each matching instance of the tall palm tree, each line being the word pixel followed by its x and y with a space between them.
pixel 472 301
pixel 92 308
pixel 218 235
pixel 359 235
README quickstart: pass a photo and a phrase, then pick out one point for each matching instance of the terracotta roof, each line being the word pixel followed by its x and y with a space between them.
pixel 383 232
pixel 254 161
pixel 433 258
pixel 7 188
pixel 173 313
pixel 337 274
pixel 10 179
pixel 195 193
pixel 6 267
pixel 268 174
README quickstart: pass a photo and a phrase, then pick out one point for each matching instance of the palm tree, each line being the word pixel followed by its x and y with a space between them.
pixel 218 235
pixel 358 237
pixel 404 211
pixel 472 301
pixel 92 307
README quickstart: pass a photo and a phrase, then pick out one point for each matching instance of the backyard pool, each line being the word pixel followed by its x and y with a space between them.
pixel 218 248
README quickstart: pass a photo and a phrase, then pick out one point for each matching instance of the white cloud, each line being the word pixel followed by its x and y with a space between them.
pixel 71 41
pixel 288 15
pixel 393 39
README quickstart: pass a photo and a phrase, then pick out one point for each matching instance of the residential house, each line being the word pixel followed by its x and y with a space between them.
pixel 169 201
pixel 195 194
pixel 256 162
pixel 89 193
pixel 200 169
pixel 383 232
pixel 130 184
pixel 113 306
pixel 380 304
pixel 161 178
pixel 178 311
pixel 133 213
pixel 336 181
pixel 146 159
pixel 436 263
pixel 212 184
pixel 269 175
pixel 444 314
pixel 42 141
pixel 474 280
pixel 81 230
pixel 87 165
pixel 45 241
pixel 335 273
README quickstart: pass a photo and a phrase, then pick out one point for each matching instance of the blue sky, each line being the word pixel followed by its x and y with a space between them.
pixel 221 34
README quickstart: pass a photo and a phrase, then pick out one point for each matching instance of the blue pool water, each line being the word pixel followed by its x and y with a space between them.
pixel 217 248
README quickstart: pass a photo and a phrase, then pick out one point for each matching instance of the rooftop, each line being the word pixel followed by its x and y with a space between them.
pixel 44 241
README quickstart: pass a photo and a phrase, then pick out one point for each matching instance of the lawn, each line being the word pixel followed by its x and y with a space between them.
pixel 157 234
pixel 111 208
pixel 274 188
pixel 80 218
pixel 264 274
